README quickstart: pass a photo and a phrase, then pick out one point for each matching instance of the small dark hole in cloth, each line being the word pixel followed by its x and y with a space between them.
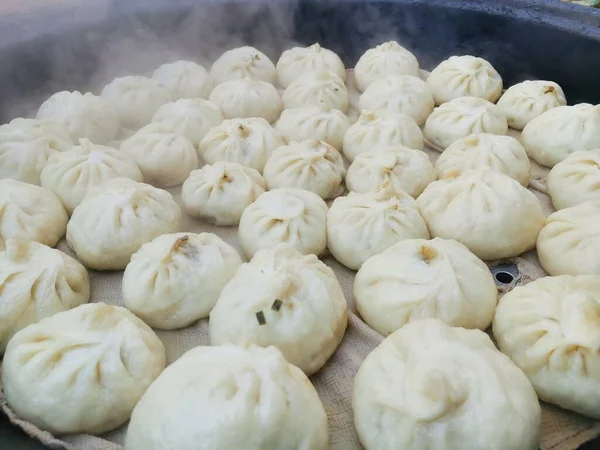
pixel 504 277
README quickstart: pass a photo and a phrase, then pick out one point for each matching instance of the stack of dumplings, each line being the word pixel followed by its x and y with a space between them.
pixel 260 209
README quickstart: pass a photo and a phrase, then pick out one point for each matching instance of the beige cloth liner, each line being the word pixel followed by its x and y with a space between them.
pixel 561 430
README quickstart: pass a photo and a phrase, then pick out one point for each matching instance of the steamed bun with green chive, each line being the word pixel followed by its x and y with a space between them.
pixel 285 299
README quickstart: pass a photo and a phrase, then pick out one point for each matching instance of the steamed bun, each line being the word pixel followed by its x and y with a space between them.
pixel 488 212
pixel 184 79
pixel 30 213
pixel 389 58
pixel 503 154
pixel 569 243
pixel 243 62
pixel 525 101
pixel 403 94
pixel 362 225
pixel 190 117
pixel 82 115
pixel 247 98
pixel 299 61
pixel 464 76
pixel 317 89
pixel 164 158
pixel 461 117
pixel 285 299
pixel 220 193
pixel 429 376
pixel 115 219
pixel 575 180
pixel 136 99
pixel 249 142
pixel 550 329
pixel 175 279
pixel 322 123
pixel 555 134
pixel 72 173
pixel 36 282
pixel 379 129
pixel 249 398
pixel 82 370
pixel 284 215
pixel 404 169
pixel 419 279
pixel 311 165
pixel 26 145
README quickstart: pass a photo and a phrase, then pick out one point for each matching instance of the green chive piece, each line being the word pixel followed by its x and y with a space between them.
pixel 260 316
pixel 276 306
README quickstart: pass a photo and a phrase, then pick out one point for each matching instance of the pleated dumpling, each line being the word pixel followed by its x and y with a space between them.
pixel 285 215
pixel 82 370
pixel 299 61
pixel 30 213
pixel 316 89
pixel 247 98
pixel 464 76
pixel 243 62
pixel 575 180
pixel 312 165
pixel 362 225
pixel 219 193
pixel 286 299
pixel 322 123
pixel 72 173
pixel 428 375
pixel 184 79
pixel 249 398
pixel 550 329
pixel 116 218
pixel 37 281
pixel 462 117
pixel 86 115
pixel 490 213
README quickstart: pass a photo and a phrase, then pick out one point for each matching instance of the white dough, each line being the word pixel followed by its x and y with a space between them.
pixel 525 101
pixel 37 281
pixel 72 173
pixel 82 370
pixel 165 158
pixel 550 329
pixel 136 99
pixel 307 324
pixel 249 398
pixel 503 154
pixel 30 213
pixel 375 130
pixel 362 225
pixel 404 169
pixel 555 134
pixel 247 98
pixel 462 117
pixel 489 212
pixel 431 386
pixel 311 165
pixel 403 94
pixel 317 89
pixel 249 142
pixel 464 76
pixel 569 243
pixel 299 61
pixel 322 123
pixel 175 279
pixel 86 115
pixel 189 117
pixel 220 193
pixel 419 279
pixel 285 215
pixel 389 58
pixel 26 145
pixel 184 79
pixel 243 62
pixel 115 219
pixel 575 180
